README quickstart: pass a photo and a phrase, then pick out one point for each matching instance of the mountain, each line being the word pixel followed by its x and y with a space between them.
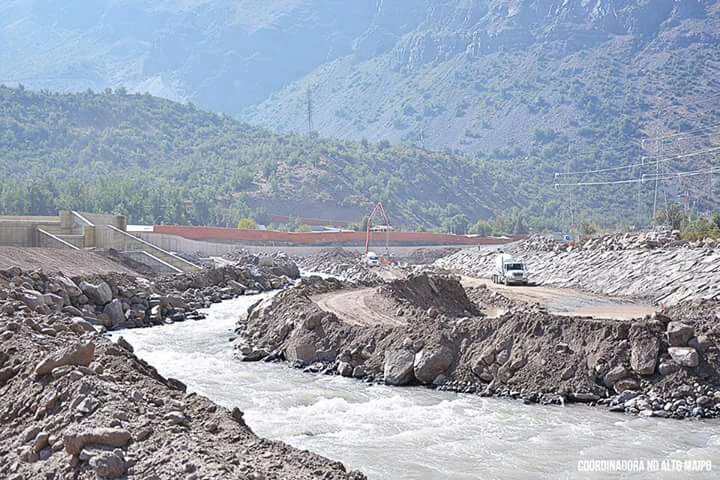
pixel 160 161
pixel 222 54
pixel 526 88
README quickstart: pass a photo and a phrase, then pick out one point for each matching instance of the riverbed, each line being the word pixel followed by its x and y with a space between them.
pixel 416 433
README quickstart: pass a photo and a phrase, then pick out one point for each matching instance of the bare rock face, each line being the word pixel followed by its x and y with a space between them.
pixel 398 367
pixel 679 334
pixel 685 356
pixel 80 354
pixel 429 363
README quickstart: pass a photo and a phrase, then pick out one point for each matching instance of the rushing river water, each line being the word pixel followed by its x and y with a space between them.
pixel 414 433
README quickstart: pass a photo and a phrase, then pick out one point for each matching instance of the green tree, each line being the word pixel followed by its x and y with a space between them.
pixel 247 224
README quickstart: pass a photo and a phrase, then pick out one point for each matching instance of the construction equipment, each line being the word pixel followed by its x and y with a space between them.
pixel 378 212
pixel 509 271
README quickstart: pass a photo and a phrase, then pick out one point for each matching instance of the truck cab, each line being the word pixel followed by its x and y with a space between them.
pixel 372 259
pixel 510 271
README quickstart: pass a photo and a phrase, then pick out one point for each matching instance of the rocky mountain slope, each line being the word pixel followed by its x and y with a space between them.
pixel 535 87
pixel 528 87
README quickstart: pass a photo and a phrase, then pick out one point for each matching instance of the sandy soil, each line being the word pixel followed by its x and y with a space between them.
pixel 359 307
pixel 566 301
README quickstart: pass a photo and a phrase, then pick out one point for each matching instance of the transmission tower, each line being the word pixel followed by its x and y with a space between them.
pixel 310 125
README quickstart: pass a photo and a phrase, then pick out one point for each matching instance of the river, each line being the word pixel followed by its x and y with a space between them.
pixel 415 433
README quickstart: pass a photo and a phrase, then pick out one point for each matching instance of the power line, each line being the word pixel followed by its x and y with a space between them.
pixel 672 175
pixel 673 135
pixel 645 177
pixel 625 167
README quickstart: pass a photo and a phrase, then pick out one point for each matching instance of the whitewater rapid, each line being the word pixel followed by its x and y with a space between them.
pixel 414 433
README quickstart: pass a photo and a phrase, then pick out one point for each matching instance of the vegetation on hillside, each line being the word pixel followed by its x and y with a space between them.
pixel 163 162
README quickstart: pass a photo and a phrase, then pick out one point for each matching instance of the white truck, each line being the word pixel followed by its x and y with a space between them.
pixel 372 259
pixel 509 271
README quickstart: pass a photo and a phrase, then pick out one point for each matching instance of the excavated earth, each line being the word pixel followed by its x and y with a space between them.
pixel 74 405
pixel 654 266
pixel 667 365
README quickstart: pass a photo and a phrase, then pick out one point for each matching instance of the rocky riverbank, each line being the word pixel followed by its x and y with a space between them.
pixel 660 269
pixel 115 301
pixel 75 405
pixel 662 366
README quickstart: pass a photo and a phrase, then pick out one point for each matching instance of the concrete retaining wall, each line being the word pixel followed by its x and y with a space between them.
pixel 234 235
pixel 21 231
pixel 174 243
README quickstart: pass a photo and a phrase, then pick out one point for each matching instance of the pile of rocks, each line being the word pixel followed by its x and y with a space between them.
pixel 659 238
pixel 76 405
pixel 339 263
pixel 117 301
pixel 524 353
pixel 666 276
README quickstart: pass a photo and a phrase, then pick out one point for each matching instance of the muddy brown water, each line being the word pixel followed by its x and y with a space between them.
pixel 414 433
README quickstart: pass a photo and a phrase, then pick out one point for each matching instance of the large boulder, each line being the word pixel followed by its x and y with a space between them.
pixel 304 352
pixel 115 313
pixel 679 334
pixel 644 352
pixel 81 354
pixel 110 437
pixel 32 298
pixel 429 363
pixel 100 294
pixel 398 368
pixel 69 286
pixel 108 464
pixel 685 356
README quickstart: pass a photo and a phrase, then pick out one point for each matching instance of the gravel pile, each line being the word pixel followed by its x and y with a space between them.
pixel 75 405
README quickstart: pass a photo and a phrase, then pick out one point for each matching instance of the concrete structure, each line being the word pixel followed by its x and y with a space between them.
pixel 273 237
pixel 78 231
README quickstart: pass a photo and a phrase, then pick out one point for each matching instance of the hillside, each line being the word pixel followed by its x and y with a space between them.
pixel 164 162
pixel 536 87
pixel 525 88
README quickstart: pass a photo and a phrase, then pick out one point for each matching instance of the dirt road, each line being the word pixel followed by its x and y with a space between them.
pixel 363 307
pixel 566 301
pixel 358 307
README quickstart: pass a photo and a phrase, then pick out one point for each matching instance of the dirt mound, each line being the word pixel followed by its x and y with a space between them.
pixel 441 293
pixel 653 367
pixel 75 405
pixel 426 256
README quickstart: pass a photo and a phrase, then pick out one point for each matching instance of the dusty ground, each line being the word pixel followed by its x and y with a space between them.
pixel 51 260
pixel 569 302
pixel 359 307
